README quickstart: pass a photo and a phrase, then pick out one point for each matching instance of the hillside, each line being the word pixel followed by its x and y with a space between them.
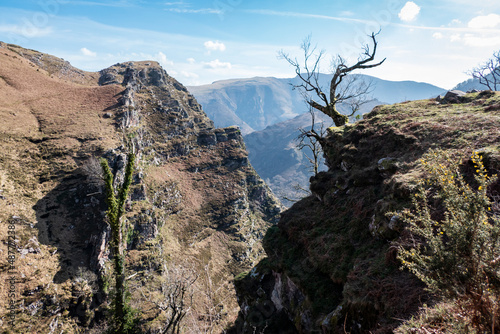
pixel 253 104
pixel 197 208
pixel 331 263
pixel 471 84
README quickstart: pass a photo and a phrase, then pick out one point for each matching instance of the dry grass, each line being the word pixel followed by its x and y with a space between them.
pixel 48 125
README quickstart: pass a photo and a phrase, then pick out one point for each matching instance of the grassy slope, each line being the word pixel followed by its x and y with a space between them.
pixel 48 126
pixel 338 241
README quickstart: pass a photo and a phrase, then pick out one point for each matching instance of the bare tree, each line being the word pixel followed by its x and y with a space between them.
pixel 343 88
pixel 307 140
pixel 209 317
pixel 488 73
pixel 176 296
pixel 293 197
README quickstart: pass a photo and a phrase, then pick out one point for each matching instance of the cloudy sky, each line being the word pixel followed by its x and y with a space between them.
pixel 199 42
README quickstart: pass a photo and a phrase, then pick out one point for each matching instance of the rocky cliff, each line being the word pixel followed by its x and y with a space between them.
pixel 197 208
pixel 331 265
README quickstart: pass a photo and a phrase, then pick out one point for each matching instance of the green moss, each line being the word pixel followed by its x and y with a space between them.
pixel 241 276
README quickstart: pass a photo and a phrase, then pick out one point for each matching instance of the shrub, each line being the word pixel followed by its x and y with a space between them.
pixel 455 245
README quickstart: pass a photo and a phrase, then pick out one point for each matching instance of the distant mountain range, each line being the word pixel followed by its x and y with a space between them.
pixel 270 112
pixel 255 103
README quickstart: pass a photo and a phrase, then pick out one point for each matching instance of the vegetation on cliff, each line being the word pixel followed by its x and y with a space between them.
pixel 122 318
pixel 454 246
pixel 332 259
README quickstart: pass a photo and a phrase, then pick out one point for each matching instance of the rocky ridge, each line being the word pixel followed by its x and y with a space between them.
pixel 196 205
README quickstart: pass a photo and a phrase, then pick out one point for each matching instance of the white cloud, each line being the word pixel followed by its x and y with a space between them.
pixel 486 21
pixel 162 59
pixel 481 41
pixel 346 13
pixel 87 52
pixel 455 22
pixel 196 11
pixel 189 75
pixel 214 46
pixel 28 30
pixel 409 11
pixel 217 64
pixel 437 35
pixel 455 38
pixel 191 60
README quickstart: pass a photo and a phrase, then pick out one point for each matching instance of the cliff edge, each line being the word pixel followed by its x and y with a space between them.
pixel 331 264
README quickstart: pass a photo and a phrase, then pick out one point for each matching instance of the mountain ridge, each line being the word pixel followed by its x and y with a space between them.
pixel 196 205
pixel 254 103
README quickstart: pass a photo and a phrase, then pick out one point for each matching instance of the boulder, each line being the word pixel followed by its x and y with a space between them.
pixel 109 76
pixel 453 96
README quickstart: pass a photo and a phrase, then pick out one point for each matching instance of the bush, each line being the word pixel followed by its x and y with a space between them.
pixel 454 246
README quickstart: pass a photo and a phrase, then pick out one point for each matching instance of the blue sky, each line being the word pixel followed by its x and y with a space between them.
pixel 199 42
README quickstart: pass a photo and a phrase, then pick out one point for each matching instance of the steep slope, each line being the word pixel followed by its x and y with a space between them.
pixel 197 209
pixel 253 104
pixel 331 265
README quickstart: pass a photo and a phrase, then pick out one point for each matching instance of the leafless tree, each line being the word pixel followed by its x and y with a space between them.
pixel 308 141
pixel 92 169
pixel 208 318
pixel 298 193
pixel 176 296
pixel 488 73
pixel 344 88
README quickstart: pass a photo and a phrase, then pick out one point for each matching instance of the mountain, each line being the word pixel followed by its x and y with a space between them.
pixel 253 104
pixel 332 261
pixel 195 217
pixel 471 84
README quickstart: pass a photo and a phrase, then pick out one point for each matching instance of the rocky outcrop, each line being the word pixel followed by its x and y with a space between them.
pixel 452 96
pixel 331 265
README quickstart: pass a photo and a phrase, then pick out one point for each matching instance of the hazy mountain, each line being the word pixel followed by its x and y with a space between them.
pixel 253 104
pixel 470 85
pixel 389 91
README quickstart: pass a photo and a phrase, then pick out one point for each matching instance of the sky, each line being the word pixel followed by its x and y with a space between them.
pixel 199 42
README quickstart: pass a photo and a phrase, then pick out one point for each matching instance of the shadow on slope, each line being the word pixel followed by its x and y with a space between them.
pixel 71 219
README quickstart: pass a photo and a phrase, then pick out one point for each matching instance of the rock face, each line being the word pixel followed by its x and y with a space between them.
pixel 331 264
pixel 196 205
